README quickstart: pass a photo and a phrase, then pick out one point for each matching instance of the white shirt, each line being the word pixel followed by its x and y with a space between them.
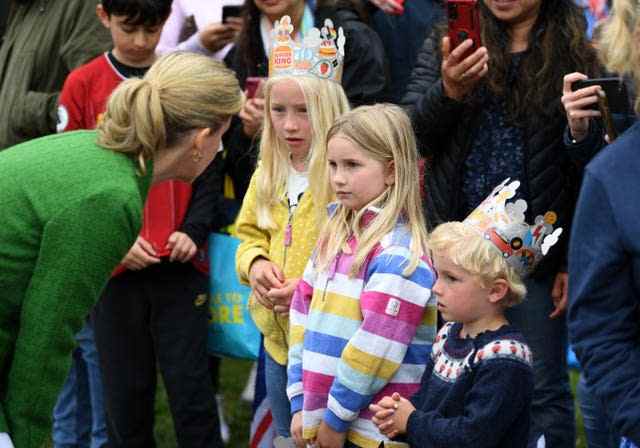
pixel 297 183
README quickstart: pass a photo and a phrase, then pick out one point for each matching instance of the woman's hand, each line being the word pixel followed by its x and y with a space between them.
pixel 296 430
pixel 252 116
pixel 281 297
pixel 182 247
pixel 264 276
pixel 215 36
pixel 577 105
pixel 140 255
pixel 460 75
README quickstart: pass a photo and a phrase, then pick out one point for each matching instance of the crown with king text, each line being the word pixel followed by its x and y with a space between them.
pixel 320 52
pixel 522 245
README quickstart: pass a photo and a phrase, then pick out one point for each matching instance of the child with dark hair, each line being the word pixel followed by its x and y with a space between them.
pixel 147 13
pixel 152 299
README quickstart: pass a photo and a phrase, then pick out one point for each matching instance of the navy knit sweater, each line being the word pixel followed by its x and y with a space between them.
pixel 475 392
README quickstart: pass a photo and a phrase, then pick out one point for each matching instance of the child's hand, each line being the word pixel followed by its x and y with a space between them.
pixel 329 438
pixel 263 276
pixel 140 255
pixel 182 247
pixel 281 297
pixel 391 415
pixel 296 430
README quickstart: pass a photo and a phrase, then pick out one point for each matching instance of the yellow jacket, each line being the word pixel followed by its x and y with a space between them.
pixel 269 244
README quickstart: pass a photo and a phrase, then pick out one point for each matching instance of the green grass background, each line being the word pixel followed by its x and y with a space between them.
pixel 233 376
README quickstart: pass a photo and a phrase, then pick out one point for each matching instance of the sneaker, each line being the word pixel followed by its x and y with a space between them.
pixel 225 432
pixel 249 389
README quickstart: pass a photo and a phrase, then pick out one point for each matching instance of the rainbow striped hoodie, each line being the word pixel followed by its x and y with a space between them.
pixel 356 340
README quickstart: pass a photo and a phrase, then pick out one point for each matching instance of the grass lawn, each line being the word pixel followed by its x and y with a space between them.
pixel 234 375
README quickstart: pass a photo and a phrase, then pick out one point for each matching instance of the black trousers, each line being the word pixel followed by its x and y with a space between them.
pixel 156 316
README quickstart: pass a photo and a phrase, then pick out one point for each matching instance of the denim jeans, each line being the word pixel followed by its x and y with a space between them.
pixel 596 423
pixel 552 411
pixel 276 381
pixel 78 416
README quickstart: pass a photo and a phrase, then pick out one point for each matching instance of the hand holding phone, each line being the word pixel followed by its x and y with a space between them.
pixel 584 99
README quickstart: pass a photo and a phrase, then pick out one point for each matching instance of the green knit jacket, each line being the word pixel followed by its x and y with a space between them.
pixel 69 211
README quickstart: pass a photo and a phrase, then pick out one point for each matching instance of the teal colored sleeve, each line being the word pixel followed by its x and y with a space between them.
pixel 80 247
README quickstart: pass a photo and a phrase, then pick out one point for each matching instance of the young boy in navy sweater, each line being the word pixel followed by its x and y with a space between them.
pixel 477 387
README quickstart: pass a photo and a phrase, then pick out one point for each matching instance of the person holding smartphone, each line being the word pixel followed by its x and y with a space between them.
pixel 199 26
pixel 495 114
pixel 588 130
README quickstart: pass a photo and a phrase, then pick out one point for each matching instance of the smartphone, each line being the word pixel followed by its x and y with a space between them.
pixel 252 86
pixel 614 89
pixel 231 11
pixel 464 23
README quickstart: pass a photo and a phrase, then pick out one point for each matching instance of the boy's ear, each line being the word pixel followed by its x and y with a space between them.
pixel 102 15
pixel 390 175
pixel 498 291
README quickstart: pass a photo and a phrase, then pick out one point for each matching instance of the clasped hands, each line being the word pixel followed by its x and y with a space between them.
pixel 391 415
pixel 270 287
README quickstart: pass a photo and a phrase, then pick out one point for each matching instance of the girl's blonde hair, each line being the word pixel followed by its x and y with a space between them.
pixel 384 133
pixel 325 101
pixel 467 249
pixel 618 42
pixel 179 93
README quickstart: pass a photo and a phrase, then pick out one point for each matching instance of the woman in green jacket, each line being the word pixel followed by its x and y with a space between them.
pixel 70 209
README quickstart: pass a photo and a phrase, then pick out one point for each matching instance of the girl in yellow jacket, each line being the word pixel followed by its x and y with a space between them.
pixel 282 212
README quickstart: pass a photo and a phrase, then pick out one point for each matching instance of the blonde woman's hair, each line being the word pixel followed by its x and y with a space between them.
pixel 618 43
pixel 384 133
pixel 467 249
pixel 325 102
pixel 179 93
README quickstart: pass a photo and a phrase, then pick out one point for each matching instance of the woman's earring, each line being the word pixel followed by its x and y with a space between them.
pixel 196 156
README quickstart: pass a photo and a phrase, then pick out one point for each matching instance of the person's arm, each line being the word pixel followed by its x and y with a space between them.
pixel 603 307
pixel 172 29
pixel 71 104
pixel 82 38
pixel 501 391
pixel 206 207
pixel 433 114
pixel 79 248
pixel 298 314
pixel 365 77
pixel 255 241
pixel 392 309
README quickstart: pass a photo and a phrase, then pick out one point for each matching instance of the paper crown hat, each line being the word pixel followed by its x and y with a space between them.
pixel 321 52
pixel 522 245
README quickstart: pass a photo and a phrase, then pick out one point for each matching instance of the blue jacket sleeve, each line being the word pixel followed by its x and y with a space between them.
pixel 603 307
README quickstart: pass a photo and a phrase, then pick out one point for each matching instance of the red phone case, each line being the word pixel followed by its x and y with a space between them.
pixel 251 86
pixel 464 23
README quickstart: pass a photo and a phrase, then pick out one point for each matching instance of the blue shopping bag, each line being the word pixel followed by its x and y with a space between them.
pixel 231 330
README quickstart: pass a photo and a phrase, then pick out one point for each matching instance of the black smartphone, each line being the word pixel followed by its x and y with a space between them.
pixel 615 90
pixel 230 11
